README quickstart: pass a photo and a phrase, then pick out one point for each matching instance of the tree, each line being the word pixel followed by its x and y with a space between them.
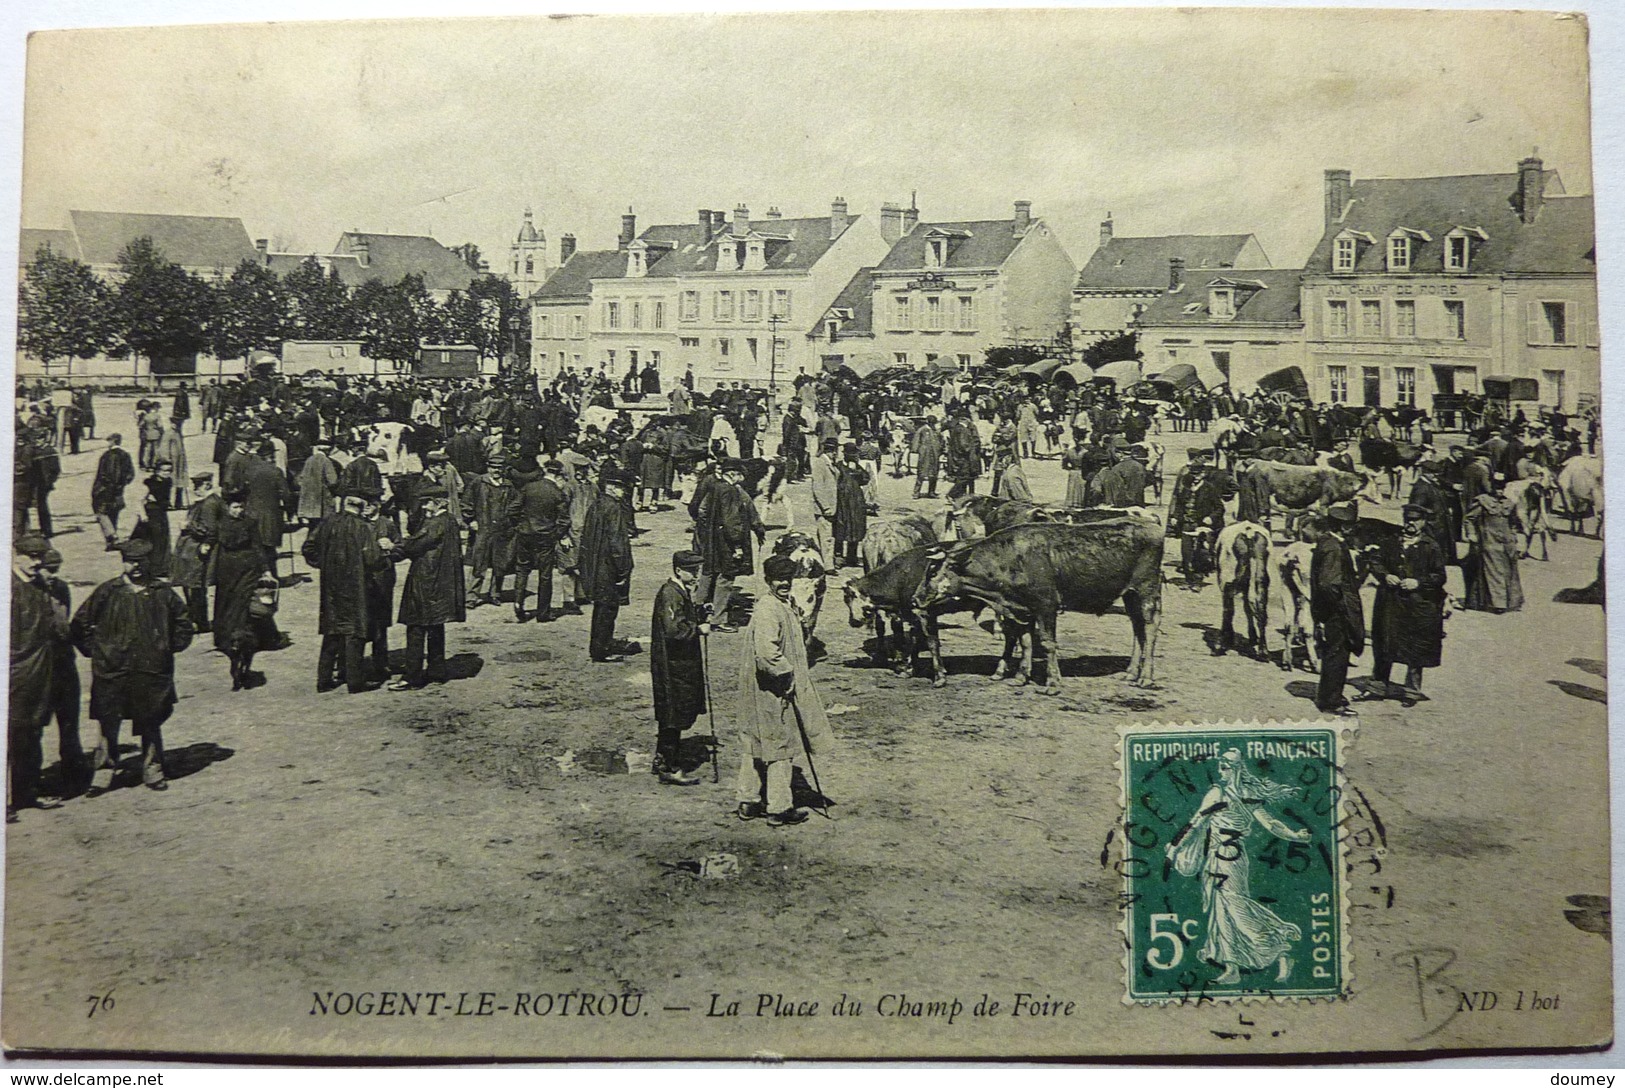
pixel 394 318
pixel 319 305
pixel 505 319
pixel 162 308
pixel 462 320
pixel 1125 345
pixel 470 253
pixel 63 310
pixel 1014 355
pixel 250 311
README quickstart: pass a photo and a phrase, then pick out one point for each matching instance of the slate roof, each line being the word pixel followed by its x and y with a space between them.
pixel 60 242
pixel 390 257
pixel 192 241
pixel 857 296
pixel 793 244
pixel 1141 264
pixel 1560 240
pixel 975 243
pixel 1276 303
pixel 573 279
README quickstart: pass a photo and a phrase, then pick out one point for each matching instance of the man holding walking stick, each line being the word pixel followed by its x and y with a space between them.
pixel 781 718
pixel 677 667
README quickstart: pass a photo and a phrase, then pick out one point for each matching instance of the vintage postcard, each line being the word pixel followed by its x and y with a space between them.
pixel 881 535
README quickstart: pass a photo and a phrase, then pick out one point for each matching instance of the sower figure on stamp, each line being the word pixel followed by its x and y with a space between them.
pixel 676 666
pixel 131 628
pixel 1242 933
pixel 1339 616
pixel 781 718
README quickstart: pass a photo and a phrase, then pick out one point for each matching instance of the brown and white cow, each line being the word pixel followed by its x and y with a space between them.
pixel 1029 574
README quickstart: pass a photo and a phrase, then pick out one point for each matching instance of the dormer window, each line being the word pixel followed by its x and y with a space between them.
pixel 1221 302
pixel 1346 249
pixel 728 256
pixel 755 255
pixel 1399 253
pixel 637 260
pixel 936 252
pixel 1458 247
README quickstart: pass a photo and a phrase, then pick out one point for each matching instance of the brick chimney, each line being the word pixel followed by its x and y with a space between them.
pixel 1105 230
pixel 719 222
pixel 837 217
pixel 705 225
pixel 629 229
pixel 741 220
pixel 891 222
pixel 1176 273
pixel 1339 186
pixel 911 214
pixel 774 213
pixel 1531 188
pixel 262 246
pixel 567 248
pixel 1024 216
pixel 362 250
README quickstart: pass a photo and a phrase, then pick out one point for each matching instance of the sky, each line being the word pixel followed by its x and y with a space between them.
pixel 1213 121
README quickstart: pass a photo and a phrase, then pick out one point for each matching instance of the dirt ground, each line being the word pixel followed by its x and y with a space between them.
pixel 487 836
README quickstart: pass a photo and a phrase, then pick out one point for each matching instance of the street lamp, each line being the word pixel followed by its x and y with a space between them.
pixel 773 322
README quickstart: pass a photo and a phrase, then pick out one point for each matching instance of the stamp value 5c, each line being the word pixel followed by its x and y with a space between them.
pixel 1232 866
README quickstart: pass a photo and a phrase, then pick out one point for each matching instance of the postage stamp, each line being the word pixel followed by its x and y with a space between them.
pixel 1233 862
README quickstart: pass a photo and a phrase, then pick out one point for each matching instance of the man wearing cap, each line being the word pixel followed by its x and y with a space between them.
pixel 114 472
pixel 318 476
pixel 491 551
pixel 266 498
pixel 38 631
pixel 364 475
pixel 433 595
pixel 731 521
pixel 826 484
pixel 606 565
pixel 1334 602
pixel 1431 496
pixel 676 666
pixel 963 451
pixel 1407 620
pixel 781 718
pixel 131 627
pixel 65 689
pixel 345 549
pixel 192 566
pixel 539 511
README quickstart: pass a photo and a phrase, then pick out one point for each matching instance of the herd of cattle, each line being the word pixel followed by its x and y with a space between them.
pixel 1027 563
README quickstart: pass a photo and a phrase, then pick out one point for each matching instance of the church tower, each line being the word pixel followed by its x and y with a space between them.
pixel 527 263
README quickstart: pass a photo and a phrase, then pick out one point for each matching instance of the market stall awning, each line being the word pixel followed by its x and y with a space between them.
pixel 1043 368
pixel 1075 372
pixel 1123 372
pixel 1515 388
pixel 1288 379
pixel 1179 377
pixel 865 363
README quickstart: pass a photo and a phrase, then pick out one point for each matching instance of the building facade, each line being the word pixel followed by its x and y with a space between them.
pixel 1234 328
pixel 1126 274
pixel 946 292
pixel 1421 287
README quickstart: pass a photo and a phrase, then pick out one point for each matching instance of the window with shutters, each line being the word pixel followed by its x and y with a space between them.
pixel 1405 386
pixel 933 312
pixel 1370 317
pixel 637 314
pixel 722 306
pixel 967 313
pixel 659 313
pixel 781 303
pixel 688 306
pixel 1338 379
pixel 544 326
pixel 612 315
pixel 1337 317
pixel 1550 323
pixel 1405 317
pixel 1455 319
pixel 900 312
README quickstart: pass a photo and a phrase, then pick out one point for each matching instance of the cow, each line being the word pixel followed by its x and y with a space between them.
pixel 1579 484
pixel 810 582
pixel 888 593
pixel 1386 455
pixel 887 538
pixel 1243 549
pixel 1300 487
pixel 1292 563
pixel 1529 497
pixel 1287 455
pixel 1028 574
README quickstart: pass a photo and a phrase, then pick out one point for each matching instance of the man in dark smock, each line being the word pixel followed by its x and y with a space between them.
pixel 192 567
pixel 1407 620
pixel 606 565
pixel 344 548
pixel 433 595
pixel 730 521
pixel 676 666
pixel 131 628
pixel 37 630
pixel 1334 602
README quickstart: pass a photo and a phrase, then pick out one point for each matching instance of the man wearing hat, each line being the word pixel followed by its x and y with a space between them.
pixel 491 551
pixel 114 472
pixel 1407 620
pixel 345 549
pixel 192 566
pixel 539 512
pixel 65 690
pixel 963 453
pixel 606 565
pixel 826 486
pixel 1430 495
pixel 433 595
pixel 1334 602
pixel 781 718
pixel 676 666
pixel 318 476
pixel 730 521
pixel 364 476
pixel 37 634
pixel 267 494
pixel 131 627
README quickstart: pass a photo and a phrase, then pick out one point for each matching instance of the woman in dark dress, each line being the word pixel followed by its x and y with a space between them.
pixel 239 563
pixel 154 524
pixel 851 509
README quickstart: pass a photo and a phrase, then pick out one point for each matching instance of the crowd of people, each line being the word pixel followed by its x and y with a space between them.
pixel 491 489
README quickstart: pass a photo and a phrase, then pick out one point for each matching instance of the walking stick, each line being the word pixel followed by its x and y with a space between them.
pixel 806 750
pixel 710 707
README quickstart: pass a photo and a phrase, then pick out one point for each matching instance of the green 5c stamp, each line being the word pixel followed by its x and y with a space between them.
pixel 1232 863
